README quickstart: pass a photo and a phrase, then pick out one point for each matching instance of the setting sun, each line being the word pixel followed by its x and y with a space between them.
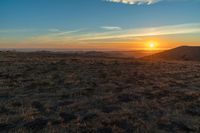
pixel 152 45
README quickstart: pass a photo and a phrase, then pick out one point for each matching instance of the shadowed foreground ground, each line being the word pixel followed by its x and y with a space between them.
pixel 42 92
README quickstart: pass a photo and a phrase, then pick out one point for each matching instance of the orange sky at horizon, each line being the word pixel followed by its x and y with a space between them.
pixel 121 46
pixel 161 43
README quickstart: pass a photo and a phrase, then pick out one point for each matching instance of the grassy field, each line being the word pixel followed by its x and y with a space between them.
pixel 49 92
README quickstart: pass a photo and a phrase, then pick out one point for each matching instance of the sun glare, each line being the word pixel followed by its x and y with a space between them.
pixel 152 45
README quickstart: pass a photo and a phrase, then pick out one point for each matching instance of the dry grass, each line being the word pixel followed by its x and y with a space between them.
pixel 43 92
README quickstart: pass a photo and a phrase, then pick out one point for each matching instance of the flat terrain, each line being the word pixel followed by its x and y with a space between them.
pixel 49 92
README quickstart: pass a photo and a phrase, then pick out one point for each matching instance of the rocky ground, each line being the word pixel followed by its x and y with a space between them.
pixel 45 92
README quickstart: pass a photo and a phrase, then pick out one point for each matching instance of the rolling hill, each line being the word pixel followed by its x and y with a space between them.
pixel 183 53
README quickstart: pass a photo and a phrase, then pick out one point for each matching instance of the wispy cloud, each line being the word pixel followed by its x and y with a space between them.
pixel 111 34
pixel 50 31
pixel 132 2
pixel 16 30
pixel 111 28
pixel 147 2
pixel 63 33
pixel 38 36
pixel 57 37
pixel 144 32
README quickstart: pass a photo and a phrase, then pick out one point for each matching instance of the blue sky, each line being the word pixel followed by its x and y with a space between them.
pixel 79 23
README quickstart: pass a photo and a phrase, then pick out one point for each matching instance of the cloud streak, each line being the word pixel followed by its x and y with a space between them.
pixel 83 36
pixel 111 28
pixel 146 2
pixel 132 2
pixel 145 32
pixel 16 30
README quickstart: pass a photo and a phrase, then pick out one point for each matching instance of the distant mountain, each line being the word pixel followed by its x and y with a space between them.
pixel 98 54
pixel 183 53
pixel 109 54
pixel 120 54
pixel 139 53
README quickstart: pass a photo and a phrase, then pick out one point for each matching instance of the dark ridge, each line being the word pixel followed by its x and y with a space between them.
pixel 183 53
pixel 87 54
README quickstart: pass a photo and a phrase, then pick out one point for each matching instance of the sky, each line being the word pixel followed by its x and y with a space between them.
pixel 99 24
